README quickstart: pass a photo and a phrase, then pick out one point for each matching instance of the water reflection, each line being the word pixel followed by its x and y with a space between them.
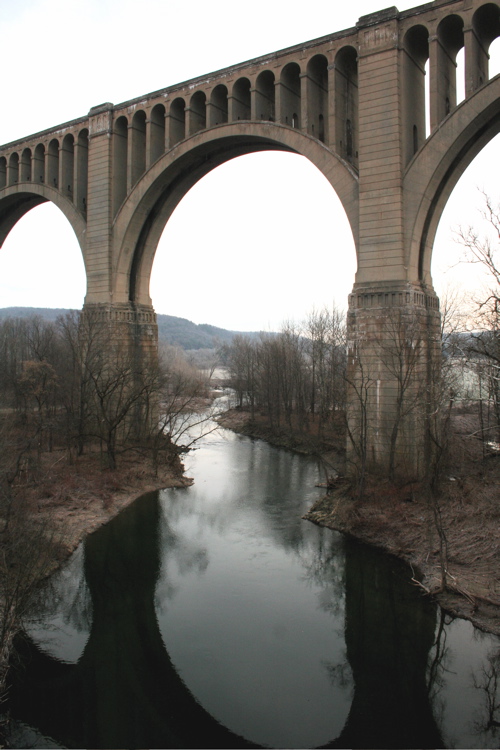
pixel 487 680
pixel 389 634
pixel 213 616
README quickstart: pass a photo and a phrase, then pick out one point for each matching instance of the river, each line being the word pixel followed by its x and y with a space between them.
pixel 214 616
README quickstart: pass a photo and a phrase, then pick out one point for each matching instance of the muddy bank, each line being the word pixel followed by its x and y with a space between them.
pixel 48 518
pixel 72 500
pixel 401 521
pixel 459 529
pixel 329 445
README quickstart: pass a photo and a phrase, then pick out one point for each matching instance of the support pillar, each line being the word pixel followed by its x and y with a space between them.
pixel 123 344
pixel 129 325
pixel 393 373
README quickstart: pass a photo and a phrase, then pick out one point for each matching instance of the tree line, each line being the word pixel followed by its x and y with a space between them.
pixel 72 391
pixel 295 377
pixel 77 382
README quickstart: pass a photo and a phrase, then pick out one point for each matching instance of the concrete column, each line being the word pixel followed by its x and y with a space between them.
pixel 149 128
pixel 66 170
pixel 442 70
pixel 37 167
pixel 253 103
pixel 476 62
pixel 129 334
pixel 381 205
pixel 393 373
pixel 215 115
pixel 330 123
pixel 129 322
pixel 13 169
pixel 81 176
pixel 278 104
pixel 51 167
pixel 176 124
pixel 237 109
pixel 98 250
pixel 305 84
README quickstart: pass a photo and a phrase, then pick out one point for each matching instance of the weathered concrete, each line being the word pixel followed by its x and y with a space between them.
pixel 352 102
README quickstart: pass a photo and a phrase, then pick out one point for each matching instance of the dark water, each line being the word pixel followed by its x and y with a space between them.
pixel 214 616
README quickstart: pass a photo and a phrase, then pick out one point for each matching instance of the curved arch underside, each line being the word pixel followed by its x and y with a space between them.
pixel 142 218
pixel 13 208
pixel 17 201
pixel 438 166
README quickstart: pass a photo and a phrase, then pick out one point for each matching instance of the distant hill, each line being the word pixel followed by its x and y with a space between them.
pixel 171 330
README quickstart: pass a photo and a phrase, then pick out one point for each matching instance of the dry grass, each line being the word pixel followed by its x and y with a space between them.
pixel 402 521
pixel 74 497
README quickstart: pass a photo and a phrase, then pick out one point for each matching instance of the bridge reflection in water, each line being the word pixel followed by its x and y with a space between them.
pixel 125 692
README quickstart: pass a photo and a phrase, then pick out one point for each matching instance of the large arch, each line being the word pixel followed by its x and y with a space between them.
pixel 17 200
pixel 436 169
pixel 142 218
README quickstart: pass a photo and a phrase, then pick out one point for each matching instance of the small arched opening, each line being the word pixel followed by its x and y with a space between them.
pixel 157 133
pixel 13 169
pixel 317 96
pixel 416 55
pixel 197 112
pixel 289 88
pixel 25 166
pixel 346 104
pixel 138 144
pixel 120 154
pixel 52 163
pixel 449 41
pixel 177 121
pixel 67 165
pixel 38 171
pixel 218 107
pixel 241 100
pixel 265 96
pixel 485 29
pixel 82 169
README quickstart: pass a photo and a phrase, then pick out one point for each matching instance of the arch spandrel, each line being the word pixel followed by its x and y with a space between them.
pixel 436 169
pixel 16 201
pixel 142 218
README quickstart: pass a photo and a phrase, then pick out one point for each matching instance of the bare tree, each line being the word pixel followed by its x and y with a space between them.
pixel 326 339
pixel 360 382
pixel 401 353
pixel 484 339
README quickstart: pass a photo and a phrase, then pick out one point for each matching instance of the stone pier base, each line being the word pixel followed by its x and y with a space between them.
pixel 393 373
pixel 122 351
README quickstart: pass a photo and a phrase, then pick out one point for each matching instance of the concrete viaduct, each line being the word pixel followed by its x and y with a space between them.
pixel 354 103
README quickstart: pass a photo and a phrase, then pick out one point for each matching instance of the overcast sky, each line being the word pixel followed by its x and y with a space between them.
pixel 259 240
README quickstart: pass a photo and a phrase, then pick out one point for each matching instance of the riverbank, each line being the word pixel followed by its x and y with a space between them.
pixel 74 499
pixel 458 529
pixel 327 443
pixel 50 517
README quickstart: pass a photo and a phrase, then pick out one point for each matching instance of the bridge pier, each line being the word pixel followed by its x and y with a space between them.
pixel 128 324
pixel 121 358
pixel 353 103
pixel 393 373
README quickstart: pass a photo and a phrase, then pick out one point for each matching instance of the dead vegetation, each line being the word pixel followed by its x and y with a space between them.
pixel 310 438
pixel 51 510
pixel 451 538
